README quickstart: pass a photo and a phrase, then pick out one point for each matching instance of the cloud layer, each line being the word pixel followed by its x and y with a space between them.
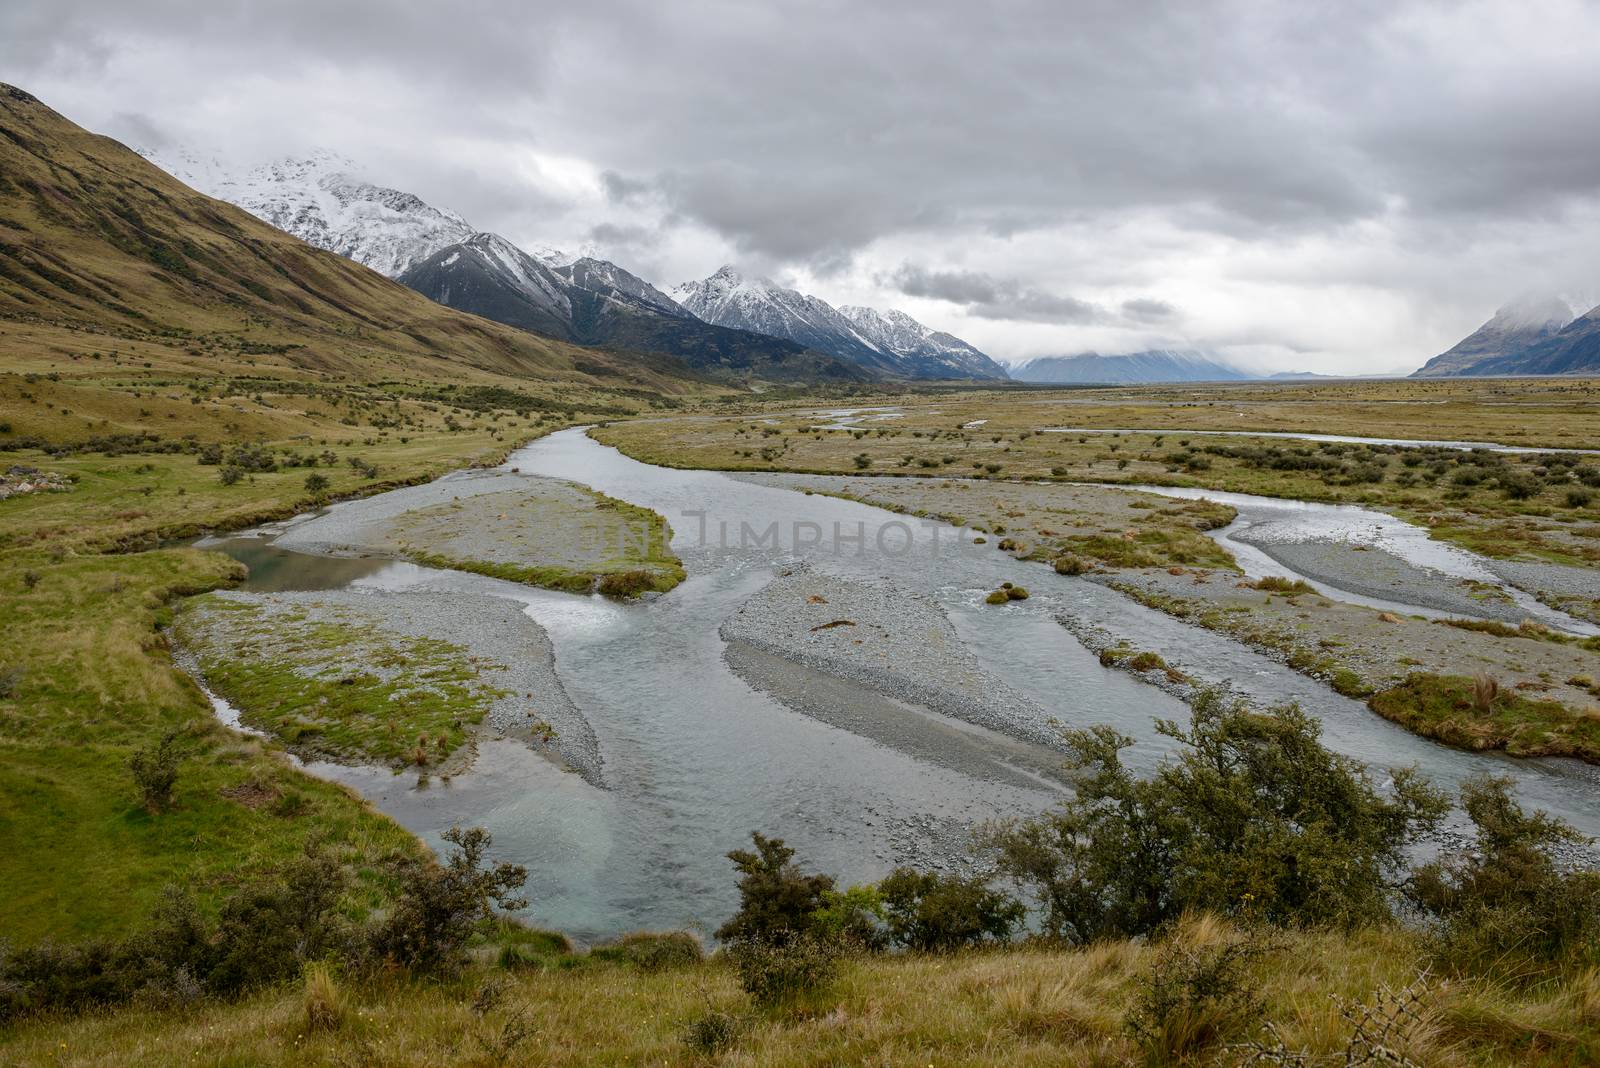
pixel 1339 187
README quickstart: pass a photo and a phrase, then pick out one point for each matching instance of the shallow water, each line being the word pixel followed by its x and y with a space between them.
pixel 695 758
pixel 1263 522
pixel 1404 443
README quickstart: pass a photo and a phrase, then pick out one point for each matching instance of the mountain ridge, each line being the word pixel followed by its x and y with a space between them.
pixel 891 343
pixel 1149 366
pixel 92 233
pixel 1514 327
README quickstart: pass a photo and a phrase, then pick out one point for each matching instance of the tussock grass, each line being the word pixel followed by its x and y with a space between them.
pixel 1029 1006
pixel 1477 713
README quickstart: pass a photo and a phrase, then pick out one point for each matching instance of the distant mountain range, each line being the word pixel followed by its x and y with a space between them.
pixel 1530 336
pixel 892 343
pixel 575 297
pixel 1155 365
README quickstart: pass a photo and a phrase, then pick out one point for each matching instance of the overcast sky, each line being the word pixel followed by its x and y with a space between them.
pixel 1342 187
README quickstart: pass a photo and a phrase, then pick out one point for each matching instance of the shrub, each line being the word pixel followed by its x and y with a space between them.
pixel 712 1033
pixel 653 952
pixel 931 912
pixel 317 483
pixel 771 972
pixel 777 901
pixel 1579 498
pixel 230 474
pixel 1070 565
pixel 1252 804
pixel 439 906
pixel 853 917
pixel 1504 907
pixel 1197 993
pixel 155 771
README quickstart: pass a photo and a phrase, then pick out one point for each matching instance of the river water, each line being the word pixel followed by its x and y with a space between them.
pixel 694 758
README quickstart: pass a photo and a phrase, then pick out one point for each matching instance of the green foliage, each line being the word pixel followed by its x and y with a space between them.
pixel 777 902
pixel 265 933
pixel 853 917
pixel 1253 815
pixel 440 906
pixel 932 912
pixel 155 771
pixel 773 972
pixel 1504 908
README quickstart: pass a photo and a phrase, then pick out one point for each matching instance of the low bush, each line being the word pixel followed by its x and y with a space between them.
pixel 155 771
pixel 1252 809
pixel 937 913
pixel 439 906
pixel 652 951
pixel 1198 993
pixel 773 972
pixel 1505 908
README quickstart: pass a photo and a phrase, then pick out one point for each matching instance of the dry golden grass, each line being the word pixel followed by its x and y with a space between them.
pixel 1028 1007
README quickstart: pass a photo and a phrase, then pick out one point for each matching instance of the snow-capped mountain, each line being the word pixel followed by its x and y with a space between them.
pixel 318 199
pixel 1156 365
pixel 575 297
pixel 935 353
pixel 489 276
pixel 1513 328
pixel 728 298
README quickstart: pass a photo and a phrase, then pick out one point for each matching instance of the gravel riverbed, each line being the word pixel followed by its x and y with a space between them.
pixel 516 656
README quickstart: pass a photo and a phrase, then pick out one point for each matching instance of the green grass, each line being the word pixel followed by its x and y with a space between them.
pixel 1468 714
pixel 339 689
pixel 82 857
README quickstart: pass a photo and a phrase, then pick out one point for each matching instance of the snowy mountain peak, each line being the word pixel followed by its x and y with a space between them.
pixel 319 199
pixel 893 343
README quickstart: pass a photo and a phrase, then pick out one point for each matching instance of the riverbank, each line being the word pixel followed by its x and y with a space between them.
pixel 500 523
pixel 407 680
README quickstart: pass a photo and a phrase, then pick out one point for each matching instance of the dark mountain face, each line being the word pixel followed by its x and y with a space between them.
pixel 1575 349
pixel 890 343
pixel 596 303
pixel 1513 329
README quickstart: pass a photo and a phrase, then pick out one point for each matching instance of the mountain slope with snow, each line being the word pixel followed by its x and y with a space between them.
pixel 1513 328
pixel 576 298
pixel 931 353
pixel 895 344
pixel 1156 365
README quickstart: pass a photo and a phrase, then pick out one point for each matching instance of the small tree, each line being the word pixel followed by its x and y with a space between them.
pixel 155 771
pixel 439 906
pixel 932 912
pixel 1253 812
pixel 777 902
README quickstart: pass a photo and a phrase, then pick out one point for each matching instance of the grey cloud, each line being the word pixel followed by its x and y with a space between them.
pixel 1441 151
pixel 993 298
pixel 1147 310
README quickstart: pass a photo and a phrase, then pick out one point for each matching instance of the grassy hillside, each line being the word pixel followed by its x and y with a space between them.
pixel 94 238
